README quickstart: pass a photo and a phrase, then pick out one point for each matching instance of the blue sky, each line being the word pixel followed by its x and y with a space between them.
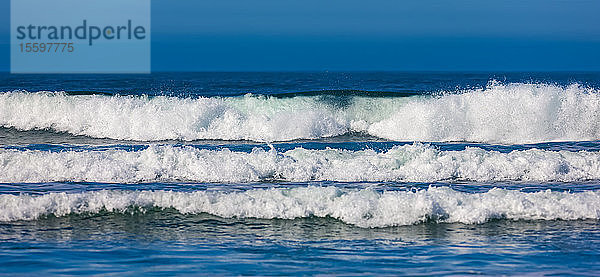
pixel 315 35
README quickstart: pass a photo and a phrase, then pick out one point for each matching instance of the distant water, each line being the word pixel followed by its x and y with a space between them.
pixel 300 173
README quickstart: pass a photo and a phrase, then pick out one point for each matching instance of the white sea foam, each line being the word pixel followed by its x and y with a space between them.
pixel 364 208
pixel 504 113
pixel 514 113
pixel 416 162
pixel 255 118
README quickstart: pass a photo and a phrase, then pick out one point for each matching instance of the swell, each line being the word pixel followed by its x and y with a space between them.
pixel 363 208
pixel 499 113
pixel 406 163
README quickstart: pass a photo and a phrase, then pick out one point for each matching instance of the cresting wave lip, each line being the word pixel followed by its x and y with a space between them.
pixel 363 208
pixel 500 113
pixel 406 163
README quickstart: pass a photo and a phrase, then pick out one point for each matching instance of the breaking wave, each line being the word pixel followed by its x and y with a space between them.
pixel 499 113
pixel 408 163
pixel 363 208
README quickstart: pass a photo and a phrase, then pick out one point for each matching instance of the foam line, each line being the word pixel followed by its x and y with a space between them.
pixel 409 163
pixel 363 208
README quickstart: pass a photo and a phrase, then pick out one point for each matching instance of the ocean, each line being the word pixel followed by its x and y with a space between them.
pixel 355 173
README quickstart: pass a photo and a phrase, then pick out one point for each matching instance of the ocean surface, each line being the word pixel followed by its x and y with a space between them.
pixel 405 173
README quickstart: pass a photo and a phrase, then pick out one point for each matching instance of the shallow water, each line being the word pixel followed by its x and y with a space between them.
pixel 166 242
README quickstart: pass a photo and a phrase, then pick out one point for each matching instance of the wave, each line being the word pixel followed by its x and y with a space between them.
pixel 348 93
pixel 499 113
pixel 363 208
pixel 407 163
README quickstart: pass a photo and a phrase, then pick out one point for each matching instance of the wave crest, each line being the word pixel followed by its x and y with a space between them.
pixel 408 163
pixel 363 208
pixel 499 113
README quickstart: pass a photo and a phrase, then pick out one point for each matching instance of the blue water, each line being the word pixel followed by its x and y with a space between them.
pixel 414 173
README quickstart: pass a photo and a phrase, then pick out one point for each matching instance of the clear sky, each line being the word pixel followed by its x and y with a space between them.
pixel 339 35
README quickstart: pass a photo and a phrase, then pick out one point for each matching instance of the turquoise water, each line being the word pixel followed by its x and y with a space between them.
pixel 300 174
